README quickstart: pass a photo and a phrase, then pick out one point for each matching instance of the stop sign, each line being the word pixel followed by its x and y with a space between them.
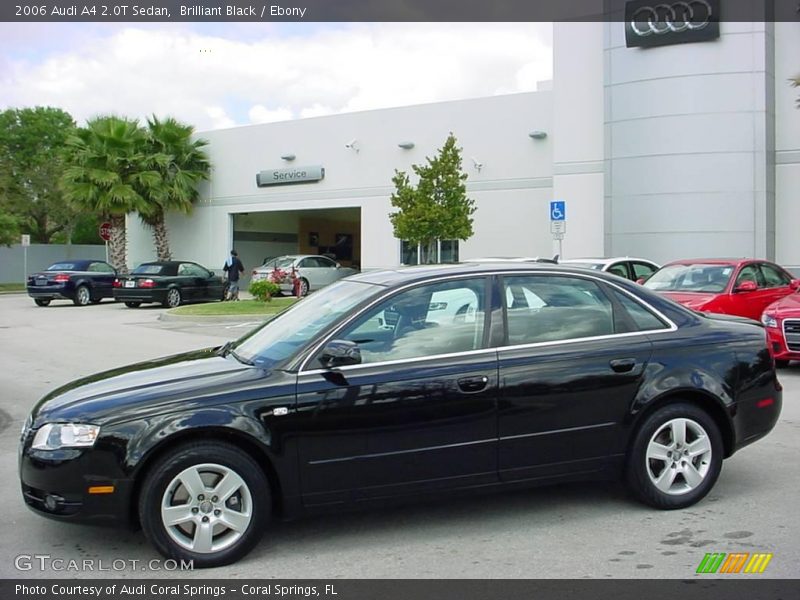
pixel 105 231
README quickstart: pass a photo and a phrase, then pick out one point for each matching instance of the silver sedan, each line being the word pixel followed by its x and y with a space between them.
pixel 312 271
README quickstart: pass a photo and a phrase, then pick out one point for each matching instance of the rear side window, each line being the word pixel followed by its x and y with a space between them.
pixel 149 270
pixel 567 308
pixel 644 319
pixel 773 277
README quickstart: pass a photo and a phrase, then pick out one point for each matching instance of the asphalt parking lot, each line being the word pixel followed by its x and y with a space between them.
pixel 571 531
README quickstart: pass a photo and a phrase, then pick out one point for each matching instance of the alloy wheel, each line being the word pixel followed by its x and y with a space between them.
pixel 678 456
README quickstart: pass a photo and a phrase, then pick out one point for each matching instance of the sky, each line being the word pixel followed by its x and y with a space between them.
pixel 220 75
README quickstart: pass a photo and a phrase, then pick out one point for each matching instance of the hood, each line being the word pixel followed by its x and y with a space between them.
pixel 693 300
pixel 787 307
pixel 145 388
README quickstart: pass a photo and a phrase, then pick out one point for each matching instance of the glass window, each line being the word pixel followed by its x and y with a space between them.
pixel 644 319
pixel 150 269
pixel 100 267
pixel 62 267
pixel 774 277
pixel 642 270
pixel 444 251
pixel 568 308
pixel 325 262
pixel 750 273
pixel 433 319
pixel 192 270
pixel 698 277
pixel 618 269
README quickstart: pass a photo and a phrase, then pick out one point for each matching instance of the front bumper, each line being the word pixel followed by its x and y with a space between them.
pixel 778 346
pixel 55 484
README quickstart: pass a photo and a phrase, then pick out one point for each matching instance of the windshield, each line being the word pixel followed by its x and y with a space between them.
pixel 287 333
pixel 691 278
pixel 147 270
pixel 62 267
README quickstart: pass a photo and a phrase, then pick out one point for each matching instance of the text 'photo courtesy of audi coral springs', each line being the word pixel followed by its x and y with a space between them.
pixel 401 383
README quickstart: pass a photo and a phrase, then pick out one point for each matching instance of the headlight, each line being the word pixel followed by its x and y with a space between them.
pixel 65 435
pixel 769 321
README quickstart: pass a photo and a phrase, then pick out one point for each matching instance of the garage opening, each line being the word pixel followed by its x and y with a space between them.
pixel 331 232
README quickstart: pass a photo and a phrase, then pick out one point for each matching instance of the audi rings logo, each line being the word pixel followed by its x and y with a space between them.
pixel 649 24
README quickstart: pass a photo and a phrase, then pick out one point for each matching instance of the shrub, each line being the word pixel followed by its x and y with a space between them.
pixel 264 290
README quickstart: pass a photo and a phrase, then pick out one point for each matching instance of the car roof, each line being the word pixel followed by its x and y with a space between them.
pixel 404 275
pixel 606 261
pixel 715 261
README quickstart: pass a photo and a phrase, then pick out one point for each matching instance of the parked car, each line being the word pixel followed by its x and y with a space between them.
pixel 743 287
pixel 171 283
pixel 312 271
pixel 83 281
pixel 782 320
pixel 635 269
pixel 515 259
pixel 327 405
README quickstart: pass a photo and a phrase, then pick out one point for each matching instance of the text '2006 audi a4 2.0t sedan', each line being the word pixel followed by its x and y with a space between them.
pixel 400 383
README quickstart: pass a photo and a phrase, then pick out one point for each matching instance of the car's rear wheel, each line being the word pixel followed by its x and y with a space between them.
pixel 133 304
pixel 208 502
pixel 82 296
pixel 42 301
pixel 675 458
pixel 173 298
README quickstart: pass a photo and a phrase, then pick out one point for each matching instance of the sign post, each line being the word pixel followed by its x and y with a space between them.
pixel 558 222
pixel 105 233
pixel 25 241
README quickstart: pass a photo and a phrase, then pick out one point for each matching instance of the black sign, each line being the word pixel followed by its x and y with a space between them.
pixel 650 23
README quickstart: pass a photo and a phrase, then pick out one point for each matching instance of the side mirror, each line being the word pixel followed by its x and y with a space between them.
pixel 340 353
pixel 794 284
pixel 746 286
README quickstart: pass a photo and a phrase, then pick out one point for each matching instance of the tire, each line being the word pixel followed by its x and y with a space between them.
pixel 687 477
pixel 202 523
pixel 781 363
pixel 304 287
pixel 133 304
pixel 173 298
pixel 82 296
pixel 42 301
pixel 96 300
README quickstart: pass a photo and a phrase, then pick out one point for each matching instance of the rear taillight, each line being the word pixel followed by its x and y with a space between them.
pixel 61 278
pixel 765 402
pixel 147 283
pixel 117 283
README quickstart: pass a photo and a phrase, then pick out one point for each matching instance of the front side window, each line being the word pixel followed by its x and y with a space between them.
pixel 750 273
pixel 566 308
pixel 710 278
pixel 433 319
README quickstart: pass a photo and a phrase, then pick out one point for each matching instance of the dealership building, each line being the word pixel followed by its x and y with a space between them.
pixel 690 148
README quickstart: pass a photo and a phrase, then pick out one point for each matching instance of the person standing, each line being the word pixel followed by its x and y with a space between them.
pixel 234 268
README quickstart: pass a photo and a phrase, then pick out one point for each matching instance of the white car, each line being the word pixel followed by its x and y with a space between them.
pixel 313 271
pixel 624 266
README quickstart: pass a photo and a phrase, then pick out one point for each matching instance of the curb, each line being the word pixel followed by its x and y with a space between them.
pixel 165 316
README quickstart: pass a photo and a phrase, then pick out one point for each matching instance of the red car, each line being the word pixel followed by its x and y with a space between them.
pixel 782 320
pixel 743 287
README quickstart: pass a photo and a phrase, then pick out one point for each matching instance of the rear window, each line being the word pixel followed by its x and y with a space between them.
pixel 150 270
pixel 62 267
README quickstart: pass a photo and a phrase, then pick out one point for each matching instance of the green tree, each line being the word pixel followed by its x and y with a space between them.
pixel 437 208
pixel 182 164
pixel 110 175
pixel 31 164
pixel 9 229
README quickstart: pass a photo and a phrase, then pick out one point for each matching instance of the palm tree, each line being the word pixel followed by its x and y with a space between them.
pixel 182 163
pixel 108 174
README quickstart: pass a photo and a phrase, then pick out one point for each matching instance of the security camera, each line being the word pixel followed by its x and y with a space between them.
pixel 478 164
pixel 352 145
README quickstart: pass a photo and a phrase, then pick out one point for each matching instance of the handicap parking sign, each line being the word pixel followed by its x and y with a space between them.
pixel 558 210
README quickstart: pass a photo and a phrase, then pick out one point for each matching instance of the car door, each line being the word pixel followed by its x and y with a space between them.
pixel 103 275
pixel 419 411
pixel 328 270
pixel 776 283
pixel 750 303
pixel 569 371
pixel 191 281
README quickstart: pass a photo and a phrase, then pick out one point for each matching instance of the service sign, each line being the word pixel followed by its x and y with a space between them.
pixel 290 175
pixel 650 23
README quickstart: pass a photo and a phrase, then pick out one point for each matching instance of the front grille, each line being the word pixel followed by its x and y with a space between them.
pixel 791 331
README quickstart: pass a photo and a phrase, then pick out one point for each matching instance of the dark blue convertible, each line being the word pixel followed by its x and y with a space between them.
pixel 82 281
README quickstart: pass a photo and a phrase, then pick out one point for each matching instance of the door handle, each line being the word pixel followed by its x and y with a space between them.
pixel 622 365
pixel 470 385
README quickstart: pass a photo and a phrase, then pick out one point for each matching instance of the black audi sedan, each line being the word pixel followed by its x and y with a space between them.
pixel 403 383
pixel 82 281
pixel 170 283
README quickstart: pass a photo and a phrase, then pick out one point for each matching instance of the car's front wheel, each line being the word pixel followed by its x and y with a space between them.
pixel 208 502
pixel 675 458
pixel 173 298
pixel 42 301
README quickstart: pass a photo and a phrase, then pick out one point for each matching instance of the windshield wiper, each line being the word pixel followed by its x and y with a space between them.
pixel 225 348
pixel 241 359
